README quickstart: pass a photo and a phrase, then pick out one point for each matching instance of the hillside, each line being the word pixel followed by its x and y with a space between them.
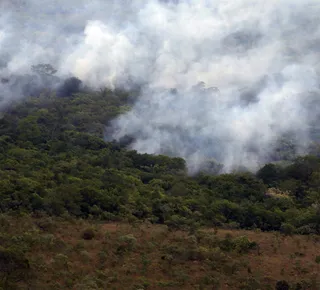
pixel 64 253
pixel 56 168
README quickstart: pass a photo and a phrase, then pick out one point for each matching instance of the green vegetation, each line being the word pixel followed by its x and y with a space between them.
pixel 54 159
pixel 78 212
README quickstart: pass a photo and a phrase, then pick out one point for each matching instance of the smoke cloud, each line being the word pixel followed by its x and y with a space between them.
pixel 221 79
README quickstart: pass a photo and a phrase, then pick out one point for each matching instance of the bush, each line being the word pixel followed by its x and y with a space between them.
pixel 243 244
pixel 88 234
pixel 126 243
pixel 4 222
pixel 282 285
pixel 287 229
pixel 306 230
pixel 13 265
pixel 304 285
pixel 227 243
pixel 177 222
pixel 46 224
pixel 240 244
pixel 61 261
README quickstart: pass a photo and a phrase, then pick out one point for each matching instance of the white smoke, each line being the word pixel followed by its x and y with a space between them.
pixel 262 55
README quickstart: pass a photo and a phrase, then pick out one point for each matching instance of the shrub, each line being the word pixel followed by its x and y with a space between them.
pixel 287 229
pixel 87 283
pixel 88 234
pixel 126 243
pixel 85 256
pixel 240 244
pixel 177 222
pixel 46 224
pixel 227 243
pixel 231 225
pixel 4 222
pixel 47 241
pixel 282 285
pixel 306 230
pixel 61 261
pixel 13 265
pixel 208 239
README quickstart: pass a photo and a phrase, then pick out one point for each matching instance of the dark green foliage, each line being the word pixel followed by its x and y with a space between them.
pixel 69 87
pixel 243 244
pixel 54 159
pixel 282 285
pixel 126 243
pixel 88 234
pixel 270 174
pixel 287 229
pixel 240 244
pixel 13 266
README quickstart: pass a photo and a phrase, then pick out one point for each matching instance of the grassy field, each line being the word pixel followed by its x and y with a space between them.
pixel 52 253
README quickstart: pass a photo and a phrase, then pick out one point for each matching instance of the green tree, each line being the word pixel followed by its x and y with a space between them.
pixel 13 266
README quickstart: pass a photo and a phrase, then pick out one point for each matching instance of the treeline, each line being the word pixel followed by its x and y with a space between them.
pixel 53 159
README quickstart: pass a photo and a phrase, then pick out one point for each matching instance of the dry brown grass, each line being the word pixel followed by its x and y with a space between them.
pixel 277 193
pixel 123 256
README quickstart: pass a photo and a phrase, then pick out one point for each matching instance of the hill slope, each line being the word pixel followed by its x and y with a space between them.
pixel 55 162
pixel 78 254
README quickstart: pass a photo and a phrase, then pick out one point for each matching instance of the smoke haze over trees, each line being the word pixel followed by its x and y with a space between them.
pixel 245 73
pixel 162 143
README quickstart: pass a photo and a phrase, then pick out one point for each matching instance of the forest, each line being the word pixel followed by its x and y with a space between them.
pixel 56 165
pixel 54 159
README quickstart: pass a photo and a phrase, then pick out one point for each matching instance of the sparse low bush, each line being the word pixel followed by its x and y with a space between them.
pixel 250 283
pixel 87 283
pixel 4 222
pixel 47 241
pixel 287 229
pixel 177 223
pixel 282 285
pixel 232 226
pixel 103 256
pixel 14 266
pixel 61 261
pixel 306 230
pixel 227 243
pixel 126 243
pixel 243 244
pixel 45 224
pixel 88 234
pixel 85 256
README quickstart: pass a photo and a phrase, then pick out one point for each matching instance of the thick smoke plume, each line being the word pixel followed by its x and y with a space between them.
pixel 221 79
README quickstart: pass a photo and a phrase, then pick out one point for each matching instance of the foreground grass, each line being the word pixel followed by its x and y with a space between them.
pixel 51 253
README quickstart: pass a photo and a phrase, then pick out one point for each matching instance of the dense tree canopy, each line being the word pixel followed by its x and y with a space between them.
pixel 54 158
